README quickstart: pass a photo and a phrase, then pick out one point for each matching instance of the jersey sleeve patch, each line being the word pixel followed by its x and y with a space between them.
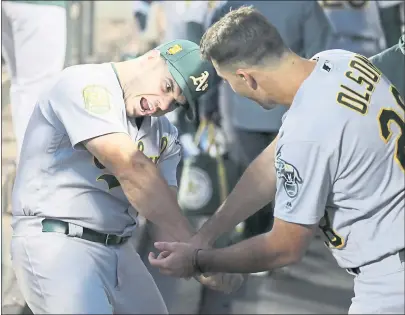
pixel 303 181
pixel 288 174
pixel 96 99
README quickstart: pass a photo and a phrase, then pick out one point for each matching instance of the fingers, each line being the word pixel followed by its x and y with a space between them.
pixel 158 262
pixel 165 246
pixel 226 283
pixel 163 255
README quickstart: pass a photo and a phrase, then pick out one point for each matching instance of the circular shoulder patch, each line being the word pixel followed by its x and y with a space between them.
pixel 96 99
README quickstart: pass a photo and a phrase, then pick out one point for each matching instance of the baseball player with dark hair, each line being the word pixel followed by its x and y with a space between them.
pixel 98 151
pixel 342 169
pixel 305 29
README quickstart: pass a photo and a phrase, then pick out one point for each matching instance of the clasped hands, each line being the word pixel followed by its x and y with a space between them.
pixel 179 260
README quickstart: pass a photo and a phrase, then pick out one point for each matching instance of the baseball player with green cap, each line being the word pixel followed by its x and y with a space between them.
pixel 180 56
pixel 98 151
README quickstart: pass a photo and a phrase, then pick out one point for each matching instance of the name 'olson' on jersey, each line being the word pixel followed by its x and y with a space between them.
pixel 364 141
pixel 367 77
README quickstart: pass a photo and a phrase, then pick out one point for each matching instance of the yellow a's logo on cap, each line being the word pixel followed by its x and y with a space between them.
pixel 174 49
pixel 201 82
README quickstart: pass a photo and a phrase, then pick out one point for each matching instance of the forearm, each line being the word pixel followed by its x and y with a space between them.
pixel 254 190
pixel 253 255
pixel 148 192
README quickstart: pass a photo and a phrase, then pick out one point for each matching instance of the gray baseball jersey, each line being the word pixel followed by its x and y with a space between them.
pixel 344 169
pixel 356 25
pixel 58 178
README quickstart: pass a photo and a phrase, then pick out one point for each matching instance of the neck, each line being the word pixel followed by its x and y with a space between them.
pixel 290 74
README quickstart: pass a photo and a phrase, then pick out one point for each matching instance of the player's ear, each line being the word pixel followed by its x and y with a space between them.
pixel 245 76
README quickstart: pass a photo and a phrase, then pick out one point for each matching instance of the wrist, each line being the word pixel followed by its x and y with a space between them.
pixel 185 235
pixel 196 265
pixel 200 242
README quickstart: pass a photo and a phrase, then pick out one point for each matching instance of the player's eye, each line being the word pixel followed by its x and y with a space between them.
pixel 169 87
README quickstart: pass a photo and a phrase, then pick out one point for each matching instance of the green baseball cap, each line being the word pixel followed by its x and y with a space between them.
pixel 194 75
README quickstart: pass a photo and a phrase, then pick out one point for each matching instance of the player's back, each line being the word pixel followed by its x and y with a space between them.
pixel 357 117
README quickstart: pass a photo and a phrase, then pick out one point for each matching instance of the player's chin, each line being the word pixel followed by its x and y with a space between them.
pixel 268 106
pixel 134 113
pixel 159 113
pixel 141 113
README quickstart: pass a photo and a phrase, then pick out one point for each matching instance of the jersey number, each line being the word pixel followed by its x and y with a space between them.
pixel 388 116
pixel 334 240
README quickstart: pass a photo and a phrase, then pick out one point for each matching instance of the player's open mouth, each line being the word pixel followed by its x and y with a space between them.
pixel 144 104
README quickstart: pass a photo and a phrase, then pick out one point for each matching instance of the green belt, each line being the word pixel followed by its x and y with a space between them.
pixel 57 226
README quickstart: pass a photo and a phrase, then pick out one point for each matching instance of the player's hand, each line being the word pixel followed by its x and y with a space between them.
pixel 177 260
pixel 224 282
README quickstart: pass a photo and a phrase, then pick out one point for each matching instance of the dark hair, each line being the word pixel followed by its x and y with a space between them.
pixel 242 36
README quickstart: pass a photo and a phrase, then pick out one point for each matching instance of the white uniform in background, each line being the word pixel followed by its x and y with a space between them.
pixel 33 46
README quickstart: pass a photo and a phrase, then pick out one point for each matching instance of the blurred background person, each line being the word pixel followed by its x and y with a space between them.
pixel 141 12
pixel 305 29
pixel 391 62
pixel 33 46
pixel 363 26
pixel 198 17
pixel 137 45
pixel 392 15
